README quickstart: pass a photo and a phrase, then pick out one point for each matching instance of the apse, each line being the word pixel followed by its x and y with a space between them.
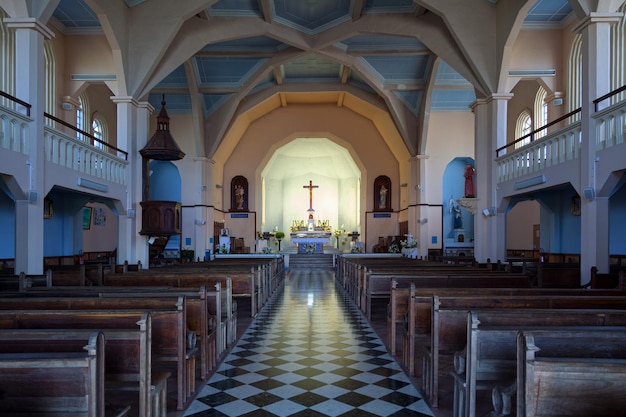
pixel 329 167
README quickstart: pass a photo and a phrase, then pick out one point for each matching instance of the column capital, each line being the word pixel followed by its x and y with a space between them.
pixel 490 99
pixel 597 17
pixel 29 23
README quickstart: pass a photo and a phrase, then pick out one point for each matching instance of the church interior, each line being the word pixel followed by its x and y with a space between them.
pixel 319 144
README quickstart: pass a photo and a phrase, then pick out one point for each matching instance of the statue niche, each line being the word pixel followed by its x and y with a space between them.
pixel 382 193
pixel 239 193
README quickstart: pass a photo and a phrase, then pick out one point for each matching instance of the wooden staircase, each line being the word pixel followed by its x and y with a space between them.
pixel 311 260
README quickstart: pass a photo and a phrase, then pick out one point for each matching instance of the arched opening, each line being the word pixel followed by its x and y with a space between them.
pixel 329 168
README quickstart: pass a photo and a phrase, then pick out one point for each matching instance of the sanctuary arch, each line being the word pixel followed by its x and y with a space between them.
pixel 286 176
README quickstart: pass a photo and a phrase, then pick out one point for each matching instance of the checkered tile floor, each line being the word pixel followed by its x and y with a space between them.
pixel 309 353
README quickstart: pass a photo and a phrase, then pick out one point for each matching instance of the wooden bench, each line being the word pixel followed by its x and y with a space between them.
pixel 127 367
pixel 379 285
pixel 420 307
pixel 558 275
pixel 169 344
pixel 81 275
pixel 489 358
pixel 68 382
pixel 560 374
pixel 449 332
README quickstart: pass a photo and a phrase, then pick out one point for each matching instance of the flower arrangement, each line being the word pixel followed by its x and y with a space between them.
pixel 408 243
pixel 394 248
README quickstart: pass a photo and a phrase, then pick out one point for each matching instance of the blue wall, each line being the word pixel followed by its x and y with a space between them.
pixel 165 182
pixel 454 185
pixel 7 227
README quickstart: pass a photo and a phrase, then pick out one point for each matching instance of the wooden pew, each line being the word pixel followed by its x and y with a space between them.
pixel 558 275
pixel 169 345
pixel 489 358
pixel 46 384
pixel 378 285
pixel 128 377
pixel 449 333
pixel 560 373
pixel 420 307
pixel 216 343
pixel 82 275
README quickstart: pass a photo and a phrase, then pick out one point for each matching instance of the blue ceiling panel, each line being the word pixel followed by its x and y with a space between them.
pixel 75 14
pixel 174 103
pixel 546 11
pixel 225 71
pixel 212 102
pixel 239 8
pixel 446 75
pixel 258 44
pixel 412 99
pixel 176 79
pixel 389 6
pixel 452 100
pixel 364 43
pixel 311 67
pixel 402 68
pixel 312 16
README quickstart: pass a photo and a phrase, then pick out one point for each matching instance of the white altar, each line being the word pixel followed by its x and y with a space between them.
pixel 310 241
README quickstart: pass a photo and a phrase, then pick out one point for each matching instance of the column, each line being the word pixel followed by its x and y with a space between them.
pixel 132 132
pixel 30 34
pixel 596 81
pixel 203 224
pixel 490 134
pixel 420 216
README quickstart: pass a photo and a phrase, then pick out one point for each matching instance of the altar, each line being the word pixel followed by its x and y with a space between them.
pixel 310 241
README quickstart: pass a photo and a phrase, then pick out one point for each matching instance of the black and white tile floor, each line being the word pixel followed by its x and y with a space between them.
pixel 309 353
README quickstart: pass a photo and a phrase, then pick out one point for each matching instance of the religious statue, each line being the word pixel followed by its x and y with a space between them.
pixel 469 182
pixel 382 195
pixel 239 196
pixel 458 217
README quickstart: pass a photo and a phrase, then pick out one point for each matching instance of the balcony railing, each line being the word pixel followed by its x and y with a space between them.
pixel 102 161
pixel 564 144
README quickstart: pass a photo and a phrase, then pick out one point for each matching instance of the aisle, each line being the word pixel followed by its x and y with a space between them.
pixel 310 353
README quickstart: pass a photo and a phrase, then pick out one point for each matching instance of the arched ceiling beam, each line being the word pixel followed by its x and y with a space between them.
pixel 583 8
pixel 197 33
pixel 141 35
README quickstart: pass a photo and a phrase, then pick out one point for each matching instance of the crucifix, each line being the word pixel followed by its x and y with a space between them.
pixel 310 187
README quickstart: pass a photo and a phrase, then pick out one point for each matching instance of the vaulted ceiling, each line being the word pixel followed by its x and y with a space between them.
pixel 312 46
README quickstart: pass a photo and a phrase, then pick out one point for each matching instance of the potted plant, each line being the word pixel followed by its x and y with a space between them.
pixel 187 255
pixel 279 236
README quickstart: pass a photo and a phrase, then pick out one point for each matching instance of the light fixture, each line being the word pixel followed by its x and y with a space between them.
pixel 200 222
pixel 218 186
pixel 404 184
pixel 488 212
pixel 589 193
pixel 151 240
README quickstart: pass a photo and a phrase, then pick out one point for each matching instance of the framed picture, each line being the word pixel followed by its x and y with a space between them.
pixel 87 217
pixel 576 206
pixel 47 208
pixel 99 217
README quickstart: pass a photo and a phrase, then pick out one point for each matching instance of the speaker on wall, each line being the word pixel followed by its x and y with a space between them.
pixel 589 193
pixel 32 196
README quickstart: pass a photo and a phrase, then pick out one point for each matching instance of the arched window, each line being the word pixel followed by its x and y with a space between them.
pixel 50 69
pixel 523 127
pixel 541 111
pixel 7 55
pixel 574 99
pixel 82 110
pixel 99 130
pixel 618 56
